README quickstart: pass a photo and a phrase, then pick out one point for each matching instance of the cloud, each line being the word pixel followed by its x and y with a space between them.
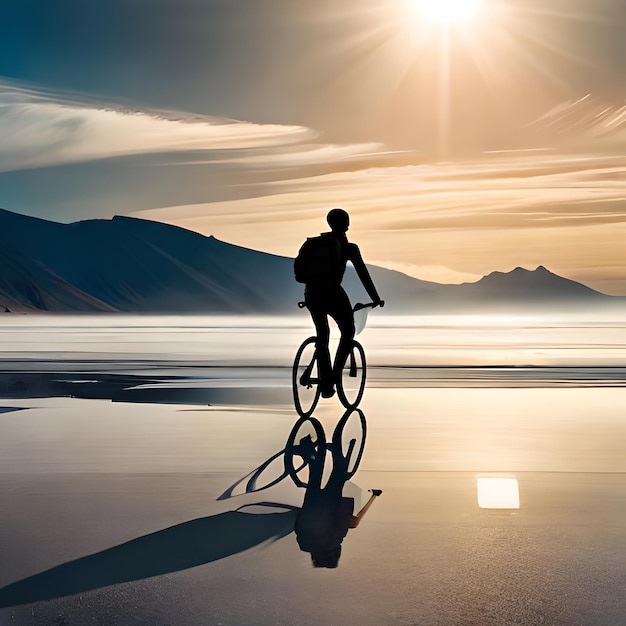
pixel 38 130
pixel 465 219
pixel 587 119
pixel 311 154
pixel 546 190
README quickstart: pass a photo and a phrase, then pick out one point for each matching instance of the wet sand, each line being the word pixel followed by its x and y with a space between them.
pixel 98 486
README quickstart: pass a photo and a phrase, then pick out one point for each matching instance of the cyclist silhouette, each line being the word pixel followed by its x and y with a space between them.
pixel 325 296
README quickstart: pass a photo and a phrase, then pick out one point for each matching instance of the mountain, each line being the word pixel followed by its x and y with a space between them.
pixel 528 286
pixel 134 265
pixel 127 264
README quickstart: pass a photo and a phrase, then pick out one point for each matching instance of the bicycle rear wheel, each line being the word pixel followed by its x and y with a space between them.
pixel 305 378
pixel 305 452
pixel 349 440
pixel 351 383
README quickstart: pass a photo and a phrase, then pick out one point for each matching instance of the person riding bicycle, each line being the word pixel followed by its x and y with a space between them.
pixel 321 265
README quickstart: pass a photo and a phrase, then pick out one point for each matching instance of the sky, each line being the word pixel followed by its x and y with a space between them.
pixel 459 145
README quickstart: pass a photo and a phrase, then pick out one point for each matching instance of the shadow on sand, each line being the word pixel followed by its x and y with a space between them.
pixel 179 547
pixel 320 524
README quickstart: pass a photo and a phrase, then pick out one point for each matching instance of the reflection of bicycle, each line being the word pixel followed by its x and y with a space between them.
pixel 306 449
pixel 351 383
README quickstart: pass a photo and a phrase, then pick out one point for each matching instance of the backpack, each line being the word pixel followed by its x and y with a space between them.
pixel 319 260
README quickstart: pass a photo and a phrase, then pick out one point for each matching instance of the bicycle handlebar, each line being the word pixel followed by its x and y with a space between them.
pixel 357 307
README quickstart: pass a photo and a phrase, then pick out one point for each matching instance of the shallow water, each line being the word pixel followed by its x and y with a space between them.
pixel 512 340
pixel 450 393
pixel 582 340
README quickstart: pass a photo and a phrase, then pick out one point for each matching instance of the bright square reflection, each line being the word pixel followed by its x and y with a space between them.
pixel 497 493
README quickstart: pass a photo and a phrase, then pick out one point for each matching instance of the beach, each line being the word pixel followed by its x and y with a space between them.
pixel 123 448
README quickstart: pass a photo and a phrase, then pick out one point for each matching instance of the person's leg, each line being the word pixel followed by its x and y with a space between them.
pixel 341 312
pixel 317 308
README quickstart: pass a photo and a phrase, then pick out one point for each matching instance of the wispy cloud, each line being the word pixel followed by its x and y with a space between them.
pixel 521 191
pixel 585 119
pixel 444 222
pixel 546 190
pixel 38 130
pixel 309 155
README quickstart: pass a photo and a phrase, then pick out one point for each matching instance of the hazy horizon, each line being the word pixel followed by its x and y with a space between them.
pixel 566 339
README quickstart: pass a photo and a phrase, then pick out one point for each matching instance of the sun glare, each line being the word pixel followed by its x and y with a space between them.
pixel 448 11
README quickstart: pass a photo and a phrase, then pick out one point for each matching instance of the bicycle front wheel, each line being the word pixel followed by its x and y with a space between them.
pixel 305 378
pixel 305 452
pixel 351 383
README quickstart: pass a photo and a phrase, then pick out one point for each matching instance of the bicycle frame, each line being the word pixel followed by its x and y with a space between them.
pixel 352 365
pixel 308 381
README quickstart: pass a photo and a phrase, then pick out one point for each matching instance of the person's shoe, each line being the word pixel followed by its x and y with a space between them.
pixel 328 392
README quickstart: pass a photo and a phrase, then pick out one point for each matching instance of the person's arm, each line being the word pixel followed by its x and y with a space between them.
pixel 354 255
pixel 354 521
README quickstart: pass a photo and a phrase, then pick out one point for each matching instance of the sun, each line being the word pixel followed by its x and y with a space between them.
pixel 448 11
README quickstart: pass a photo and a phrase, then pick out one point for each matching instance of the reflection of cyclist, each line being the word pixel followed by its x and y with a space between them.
pixel 326 515
pixel 322 524
pixel 325 296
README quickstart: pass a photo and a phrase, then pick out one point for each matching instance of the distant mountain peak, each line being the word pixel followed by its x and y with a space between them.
pixel 522 271
pixel 524 284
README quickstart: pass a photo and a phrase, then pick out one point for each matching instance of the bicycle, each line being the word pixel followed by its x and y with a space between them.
pixel 351 383
pixel 307 440
pixel 306 448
